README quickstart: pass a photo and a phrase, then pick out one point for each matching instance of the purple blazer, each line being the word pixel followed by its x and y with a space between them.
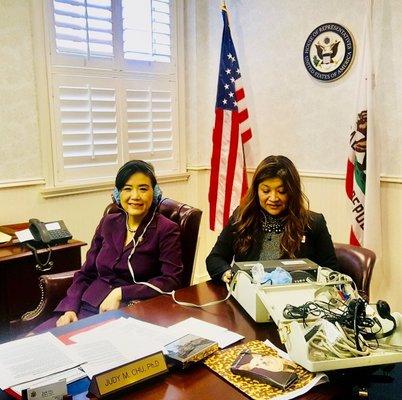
pixel 157 259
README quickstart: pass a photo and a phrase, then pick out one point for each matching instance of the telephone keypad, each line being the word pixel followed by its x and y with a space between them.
pixel 58 234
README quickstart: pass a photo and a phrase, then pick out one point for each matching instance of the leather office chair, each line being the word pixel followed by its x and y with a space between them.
pixel 358 263
pixel 54 286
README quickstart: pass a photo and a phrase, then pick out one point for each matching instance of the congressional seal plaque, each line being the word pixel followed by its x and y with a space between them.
pixel 328 52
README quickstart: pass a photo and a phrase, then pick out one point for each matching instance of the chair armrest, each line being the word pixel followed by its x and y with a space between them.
pixel 53 288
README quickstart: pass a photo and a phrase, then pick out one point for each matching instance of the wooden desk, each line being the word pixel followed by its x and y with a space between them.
pixel 19 289
pixel 199 382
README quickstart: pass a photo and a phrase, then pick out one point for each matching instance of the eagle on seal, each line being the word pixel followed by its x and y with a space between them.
pixel 327 51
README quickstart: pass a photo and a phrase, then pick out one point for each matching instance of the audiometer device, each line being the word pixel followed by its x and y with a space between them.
pixel 299 333
pixel 248 293
pixel 301 270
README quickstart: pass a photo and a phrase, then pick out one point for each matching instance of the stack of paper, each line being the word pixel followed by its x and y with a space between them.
pixel 116 343
pixel 34 357
pixel 4 237
pixel 43 359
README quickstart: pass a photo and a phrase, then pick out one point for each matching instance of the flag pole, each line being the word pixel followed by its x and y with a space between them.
pixel 228 180
pixel 225 8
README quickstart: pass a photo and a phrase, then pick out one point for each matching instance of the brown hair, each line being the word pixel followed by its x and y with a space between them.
pixel 248 217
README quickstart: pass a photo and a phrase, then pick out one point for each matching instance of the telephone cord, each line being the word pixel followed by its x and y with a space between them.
pixel 42 267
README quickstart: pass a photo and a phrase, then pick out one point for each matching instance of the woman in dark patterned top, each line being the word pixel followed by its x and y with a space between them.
pixel 272 222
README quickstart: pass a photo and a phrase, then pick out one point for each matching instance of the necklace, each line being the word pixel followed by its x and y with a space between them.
pixel 130 229
pixel 272 224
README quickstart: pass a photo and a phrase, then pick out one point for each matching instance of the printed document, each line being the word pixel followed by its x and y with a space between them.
pixel 116 343
pixel 32 358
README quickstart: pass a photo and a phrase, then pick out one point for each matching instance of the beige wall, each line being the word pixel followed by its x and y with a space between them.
pixel 290 112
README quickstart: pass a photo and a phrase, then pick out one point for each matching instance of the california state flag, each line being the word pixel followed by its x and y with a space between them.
pixel 363 174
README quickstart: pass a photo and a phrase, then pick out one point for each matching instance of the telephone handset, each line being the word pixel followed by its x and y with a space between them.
pixel 49 233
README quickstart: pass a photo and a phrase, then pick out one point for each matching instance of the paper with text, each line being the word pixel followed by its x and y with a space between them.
pixel 118 342
pixel 34 357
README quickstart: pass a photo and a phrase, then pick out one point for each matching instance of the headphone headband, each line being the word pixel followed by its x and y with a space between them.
pixel 130 168
pixel 384 311
pixel 134 166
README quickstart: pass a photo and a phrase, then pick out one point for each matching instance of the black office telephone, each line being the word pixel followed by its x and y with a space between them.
pixel 46 234
pixel 49 233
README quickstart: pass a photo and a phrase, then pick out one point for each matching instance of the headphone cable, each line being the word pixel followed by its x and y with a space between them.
pixel 173 292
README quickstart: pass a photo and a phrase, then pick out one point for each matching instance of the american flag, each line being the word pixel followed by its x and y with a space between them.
pixel 228 181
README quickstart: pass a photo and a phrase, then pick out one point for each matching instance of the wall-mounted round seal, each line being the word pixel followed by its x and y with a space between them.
pixel 328 52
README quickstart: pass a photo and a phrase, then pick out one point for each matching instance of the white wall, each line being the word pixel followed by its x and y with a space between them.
pixel 292 113
pixel 19 132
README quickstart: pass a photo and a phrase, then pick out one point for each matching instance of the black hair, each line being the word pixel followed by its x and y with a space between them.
pixel 130 168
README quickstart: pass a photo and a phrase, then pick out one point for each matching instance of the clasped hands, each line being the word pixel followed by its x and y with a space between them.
pixel 111 302
pixel 227 276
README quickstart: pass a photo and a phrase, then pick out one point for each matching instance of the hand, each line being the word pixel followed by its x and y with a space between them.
pixel 67 318
pixel 112 301
pixel 227 276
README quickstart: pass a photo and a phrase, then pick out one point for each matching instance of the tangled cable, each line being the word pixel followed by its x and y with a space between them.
pixel 334 341
pixel 346 314
pixel 349 319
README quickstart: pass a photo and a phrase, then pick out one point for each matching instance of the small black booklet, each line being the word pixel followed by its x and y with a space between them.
pixel 273 370
pixel 189 349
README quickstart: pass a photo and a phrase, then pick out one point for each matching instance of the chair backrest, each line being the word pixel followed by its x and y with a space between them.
pixel 188 218
pixel 358 263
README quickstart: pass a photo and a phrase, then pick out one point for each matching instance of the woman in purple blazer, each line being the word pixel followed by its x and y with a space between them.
pixel 130 252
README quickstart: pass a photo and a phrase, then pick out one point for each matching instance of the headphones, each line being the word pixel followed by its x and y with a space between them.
pixel 130 168
pixel 157 197
pixel 358 308
pixel 384 311
pixel 116 196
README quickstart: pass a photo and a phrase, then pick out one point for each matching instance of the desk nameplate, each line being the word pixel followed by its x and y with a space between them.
pixel 128 374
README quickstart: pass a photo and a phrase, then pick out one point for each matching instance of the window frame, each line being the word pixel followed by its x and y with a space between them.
pixel 46 71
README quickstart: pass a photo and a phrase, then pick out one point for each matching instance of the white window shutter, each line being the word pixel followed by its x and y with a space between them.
pixel 87 128
pixel 147 30
pixel 161 31
pixel 151 117
pixel 84 28
pixel 113 78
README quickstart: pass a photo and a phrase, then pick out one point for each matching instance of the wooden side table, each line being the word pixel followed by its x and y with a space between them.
pixel 19 289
